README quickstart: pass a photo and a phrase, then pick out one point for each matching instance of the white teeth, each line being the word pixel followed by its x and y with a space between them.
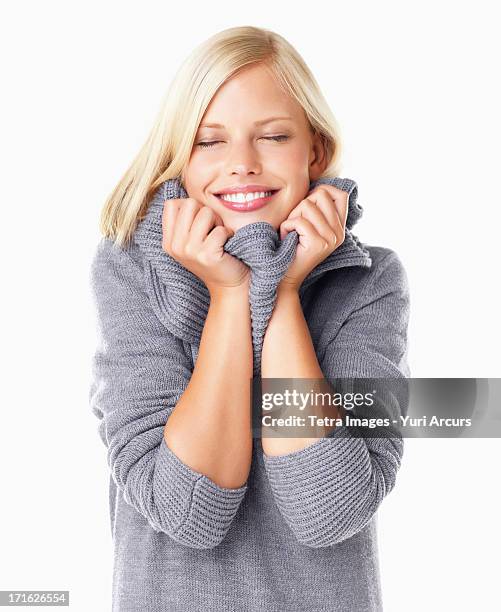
pixel 244 197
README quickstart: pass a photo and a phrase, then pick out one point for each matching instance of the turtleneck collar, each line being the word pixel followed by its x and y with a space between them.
pixel 181 300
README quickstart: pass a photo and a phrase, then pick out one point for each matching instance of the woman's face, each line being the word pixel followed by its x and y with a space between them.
pixel 246 151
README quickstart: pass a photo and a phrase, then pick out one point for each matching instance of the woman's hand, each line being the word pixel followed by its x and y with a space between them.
pixel 194 235
pixel 320 221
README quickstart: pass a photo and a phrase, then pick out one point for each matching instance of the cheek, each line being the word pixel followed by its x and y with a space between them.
pixel 296 156
pixel 296 192
pixel 195 182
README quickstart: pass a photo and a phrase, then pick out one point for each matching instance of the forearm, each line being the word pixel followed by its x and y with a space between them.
pixel 288 352
pixel 210 427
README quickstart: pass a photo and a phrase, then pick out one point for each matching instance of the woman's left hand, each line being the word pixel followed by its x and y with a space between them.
pixel 320 221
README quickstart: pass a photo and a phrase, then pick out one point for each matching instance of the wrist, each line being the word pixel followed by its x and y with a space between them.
pixel 287 288
pixel 225 292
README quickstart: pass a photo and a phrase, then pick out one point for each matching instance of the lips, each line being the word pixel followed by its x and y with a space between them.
pixel 250 205
pixel 249 188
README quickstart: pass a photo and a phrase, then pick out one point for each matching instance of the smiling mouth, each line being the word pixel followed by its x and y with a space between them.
pixel 243 205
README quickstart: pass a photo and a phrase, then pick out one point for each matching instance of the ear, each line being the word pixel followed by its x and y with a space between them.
pixel 318 158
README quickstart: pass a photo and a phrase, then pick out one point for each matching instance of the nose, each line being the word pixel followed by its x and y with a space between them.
pixel 243 159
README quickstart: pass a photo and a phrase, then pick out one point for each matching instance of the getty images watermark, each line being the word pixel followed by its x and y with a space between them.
pixel 377 407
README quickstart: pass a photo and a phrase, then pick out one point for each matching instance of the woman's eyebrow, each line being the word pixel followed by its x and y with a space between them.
pixel 261 122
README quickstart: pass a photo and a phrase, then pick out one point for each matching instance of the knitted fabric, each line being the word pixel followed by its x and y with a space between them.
pixel 300 534
pixel 181 299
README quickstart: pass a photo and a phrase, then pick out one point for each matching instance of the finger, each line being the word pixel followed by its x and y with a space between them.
pixel 332 232
pixel 187 210
pixel 205 220
pixel 216 238
pixel 308 236
pixel 326 204
pixel 169 215
pixel 316 216
pixel 297 211
pixel 338 196
pixel 333 202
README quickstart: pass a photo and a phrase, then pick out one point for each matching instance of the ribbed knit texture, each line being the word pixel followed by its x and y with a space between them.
pixel 301 533
pixel 181 299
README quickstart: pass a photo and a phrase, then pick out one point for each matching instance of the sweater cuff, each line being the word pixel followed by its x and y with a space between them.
pixel 321 489
pixel 199 511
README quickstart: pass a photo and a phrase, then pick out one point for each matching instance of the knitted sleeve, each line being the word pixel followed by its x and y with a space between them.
pixel 330 490
pixel 139 372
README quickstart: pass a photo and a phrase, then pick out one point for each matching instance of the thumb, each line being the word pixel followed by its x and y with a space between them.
pixel 286 227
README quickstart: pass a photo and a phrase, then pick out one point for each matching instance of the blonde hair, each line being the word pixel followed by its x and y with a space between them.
pixel 167 150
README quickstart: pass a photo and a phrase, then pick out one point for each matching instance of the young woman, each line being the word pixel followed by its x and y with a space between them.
pixel 227 254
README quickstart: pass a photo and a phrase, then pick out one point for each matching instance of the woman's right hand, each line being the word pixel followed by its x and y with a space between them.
pixel 194 235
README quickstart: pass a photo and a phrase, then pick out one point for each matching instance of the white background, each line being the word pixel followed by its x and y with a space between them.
pixel 415 89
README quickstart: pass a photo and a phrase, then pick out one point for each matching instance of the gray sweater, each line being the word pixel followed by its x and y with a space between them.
pixel 300 535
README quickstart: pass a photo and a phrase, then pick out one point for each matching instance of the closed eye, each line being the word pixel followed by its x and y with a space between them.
pixel 279 138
